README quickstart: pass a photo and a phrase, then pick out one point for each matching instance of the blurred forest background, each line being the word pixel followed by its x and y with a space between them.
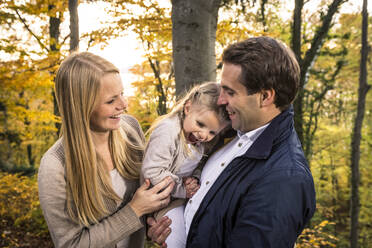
pixel 182 42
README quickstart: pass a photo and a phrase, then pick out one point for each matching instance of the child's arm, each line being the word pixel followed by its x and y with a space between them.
pixel 160 154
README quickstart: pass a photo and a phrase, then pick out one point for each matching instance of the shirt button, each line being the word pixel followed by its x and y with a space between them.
pixel 207 182
pixel 190 201
pixel 223 164
pixel 240 144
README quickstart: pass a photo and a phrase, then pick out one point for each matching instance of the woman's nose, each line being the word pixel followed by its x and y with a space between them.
pixel 123 102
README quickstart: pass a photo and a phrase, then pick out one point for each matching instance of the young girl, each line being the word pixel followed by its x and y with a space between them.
pixel 176 145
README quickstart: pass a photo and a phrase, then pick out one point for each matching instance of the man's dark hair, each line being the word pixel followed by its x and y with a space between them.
pixel 266 64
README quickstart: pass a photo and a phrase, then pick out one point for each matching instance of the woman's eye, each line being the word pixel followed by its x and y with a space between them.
pixel 111 101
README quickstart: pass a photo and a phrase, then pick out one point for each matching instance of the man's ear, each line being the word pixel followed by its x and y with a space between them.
pixel 267 97
pixel 187 107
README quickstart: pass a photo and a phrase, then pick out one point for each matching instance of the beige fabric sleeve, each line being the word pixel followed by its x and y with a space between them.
pixel 64 231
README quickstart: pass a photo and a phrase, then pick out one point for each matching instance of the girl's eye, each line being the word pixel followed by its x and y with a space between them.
pixel 200 124
pixel 212 133
pixel 111 101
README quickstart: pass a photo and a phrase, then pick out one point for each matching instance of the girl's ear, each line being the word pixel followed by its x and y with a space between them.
pixel 187 107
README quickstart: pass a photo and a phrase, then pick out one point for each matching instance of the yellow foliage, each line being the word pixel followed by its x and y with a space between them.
pixel 316 237
pixel 21 217
pixel 26 116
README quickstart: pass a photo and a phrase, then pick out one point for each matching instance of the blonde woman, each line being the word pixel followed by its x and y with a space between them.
pixel 89 179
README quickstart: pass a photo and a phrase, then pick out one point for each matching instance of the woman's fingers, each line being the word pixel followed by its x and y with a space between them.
pixel 166 192
pixel 163 185
pixel 145 185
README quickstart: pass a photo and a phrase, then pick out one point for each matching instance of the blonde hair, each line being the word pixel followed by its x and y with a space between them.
pixel 203 96
pixel 87 180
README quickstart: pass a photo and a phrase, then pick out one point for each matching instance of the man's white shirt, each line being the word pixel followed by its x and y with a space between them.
pixel 214 167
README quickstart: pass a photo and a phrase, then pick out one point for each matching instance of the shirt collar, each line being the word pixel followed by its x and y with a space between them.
pixel 252 135
pixel 280 128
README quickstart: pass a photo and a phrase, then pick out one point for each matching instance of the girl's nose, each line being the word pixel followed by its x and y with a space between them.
pixel 203 136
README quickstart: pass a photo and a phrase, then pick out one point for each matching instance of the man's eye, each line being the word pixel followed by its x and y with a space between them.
pixel 230 93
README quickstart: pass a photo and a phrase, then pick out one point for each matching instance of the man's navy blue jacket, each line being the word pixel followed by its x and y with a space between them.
pixel 263 198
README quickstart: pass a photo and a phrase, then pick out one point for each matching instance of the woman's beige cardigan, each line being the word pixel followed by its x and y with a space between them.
pixel 121 223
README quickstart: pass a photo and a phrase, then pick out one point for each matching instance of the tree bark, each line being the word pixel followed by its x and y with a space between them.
pixel 74 25
pixel 54 23
pixel 162 99
pixel 355 143
pixel 296 47
pixel 54 32
pixel 193 39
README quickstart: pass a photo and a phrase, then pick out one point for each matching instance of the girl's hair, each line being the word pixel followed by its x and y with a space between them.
pixel 204 96
pixel 88 182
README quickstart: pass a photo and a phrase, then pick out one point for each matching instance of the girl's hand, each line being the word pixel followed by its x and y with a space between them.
pixel 147 200
pixel 191 185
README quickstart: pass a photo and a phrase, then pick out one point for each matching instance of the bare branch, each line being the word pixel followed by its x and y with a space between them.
pixel 31 32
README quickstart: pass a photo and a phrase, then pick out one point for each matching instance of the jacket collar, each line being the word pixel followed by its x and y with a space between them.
pixel 279 128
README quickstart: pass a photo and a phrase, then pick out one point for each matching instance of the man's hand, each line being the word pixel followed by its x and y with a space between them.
pixel 158 231
pixel 191 185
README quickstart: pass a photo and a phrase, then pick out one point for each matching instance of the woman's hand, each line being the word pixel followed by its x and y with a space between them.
pixel 147 200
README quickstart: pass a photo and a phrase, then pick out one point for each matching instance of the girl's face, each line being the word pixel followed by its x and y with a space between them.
pixel 110 104
pixel 200 125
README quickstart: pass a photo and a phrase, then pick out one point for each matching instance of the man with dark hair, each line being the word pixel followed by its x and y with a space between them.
pixel 257 191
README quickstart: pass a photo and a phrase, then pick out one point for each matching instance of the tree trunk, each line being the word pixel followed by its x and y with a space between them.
pixel 355 143
pixel 30 156
pixel 74 25
pixel 5 137
pixel 307 62
pixel 193 39
pixel 54 25
pixel 162 99
pixel 296 47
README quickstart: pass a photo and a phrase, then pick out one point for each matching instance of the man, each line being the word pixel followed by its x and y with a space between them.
pixel 257 191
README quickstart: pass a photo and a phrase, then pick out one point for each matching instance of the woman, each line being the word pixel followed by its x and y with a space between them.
pixel 89 179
